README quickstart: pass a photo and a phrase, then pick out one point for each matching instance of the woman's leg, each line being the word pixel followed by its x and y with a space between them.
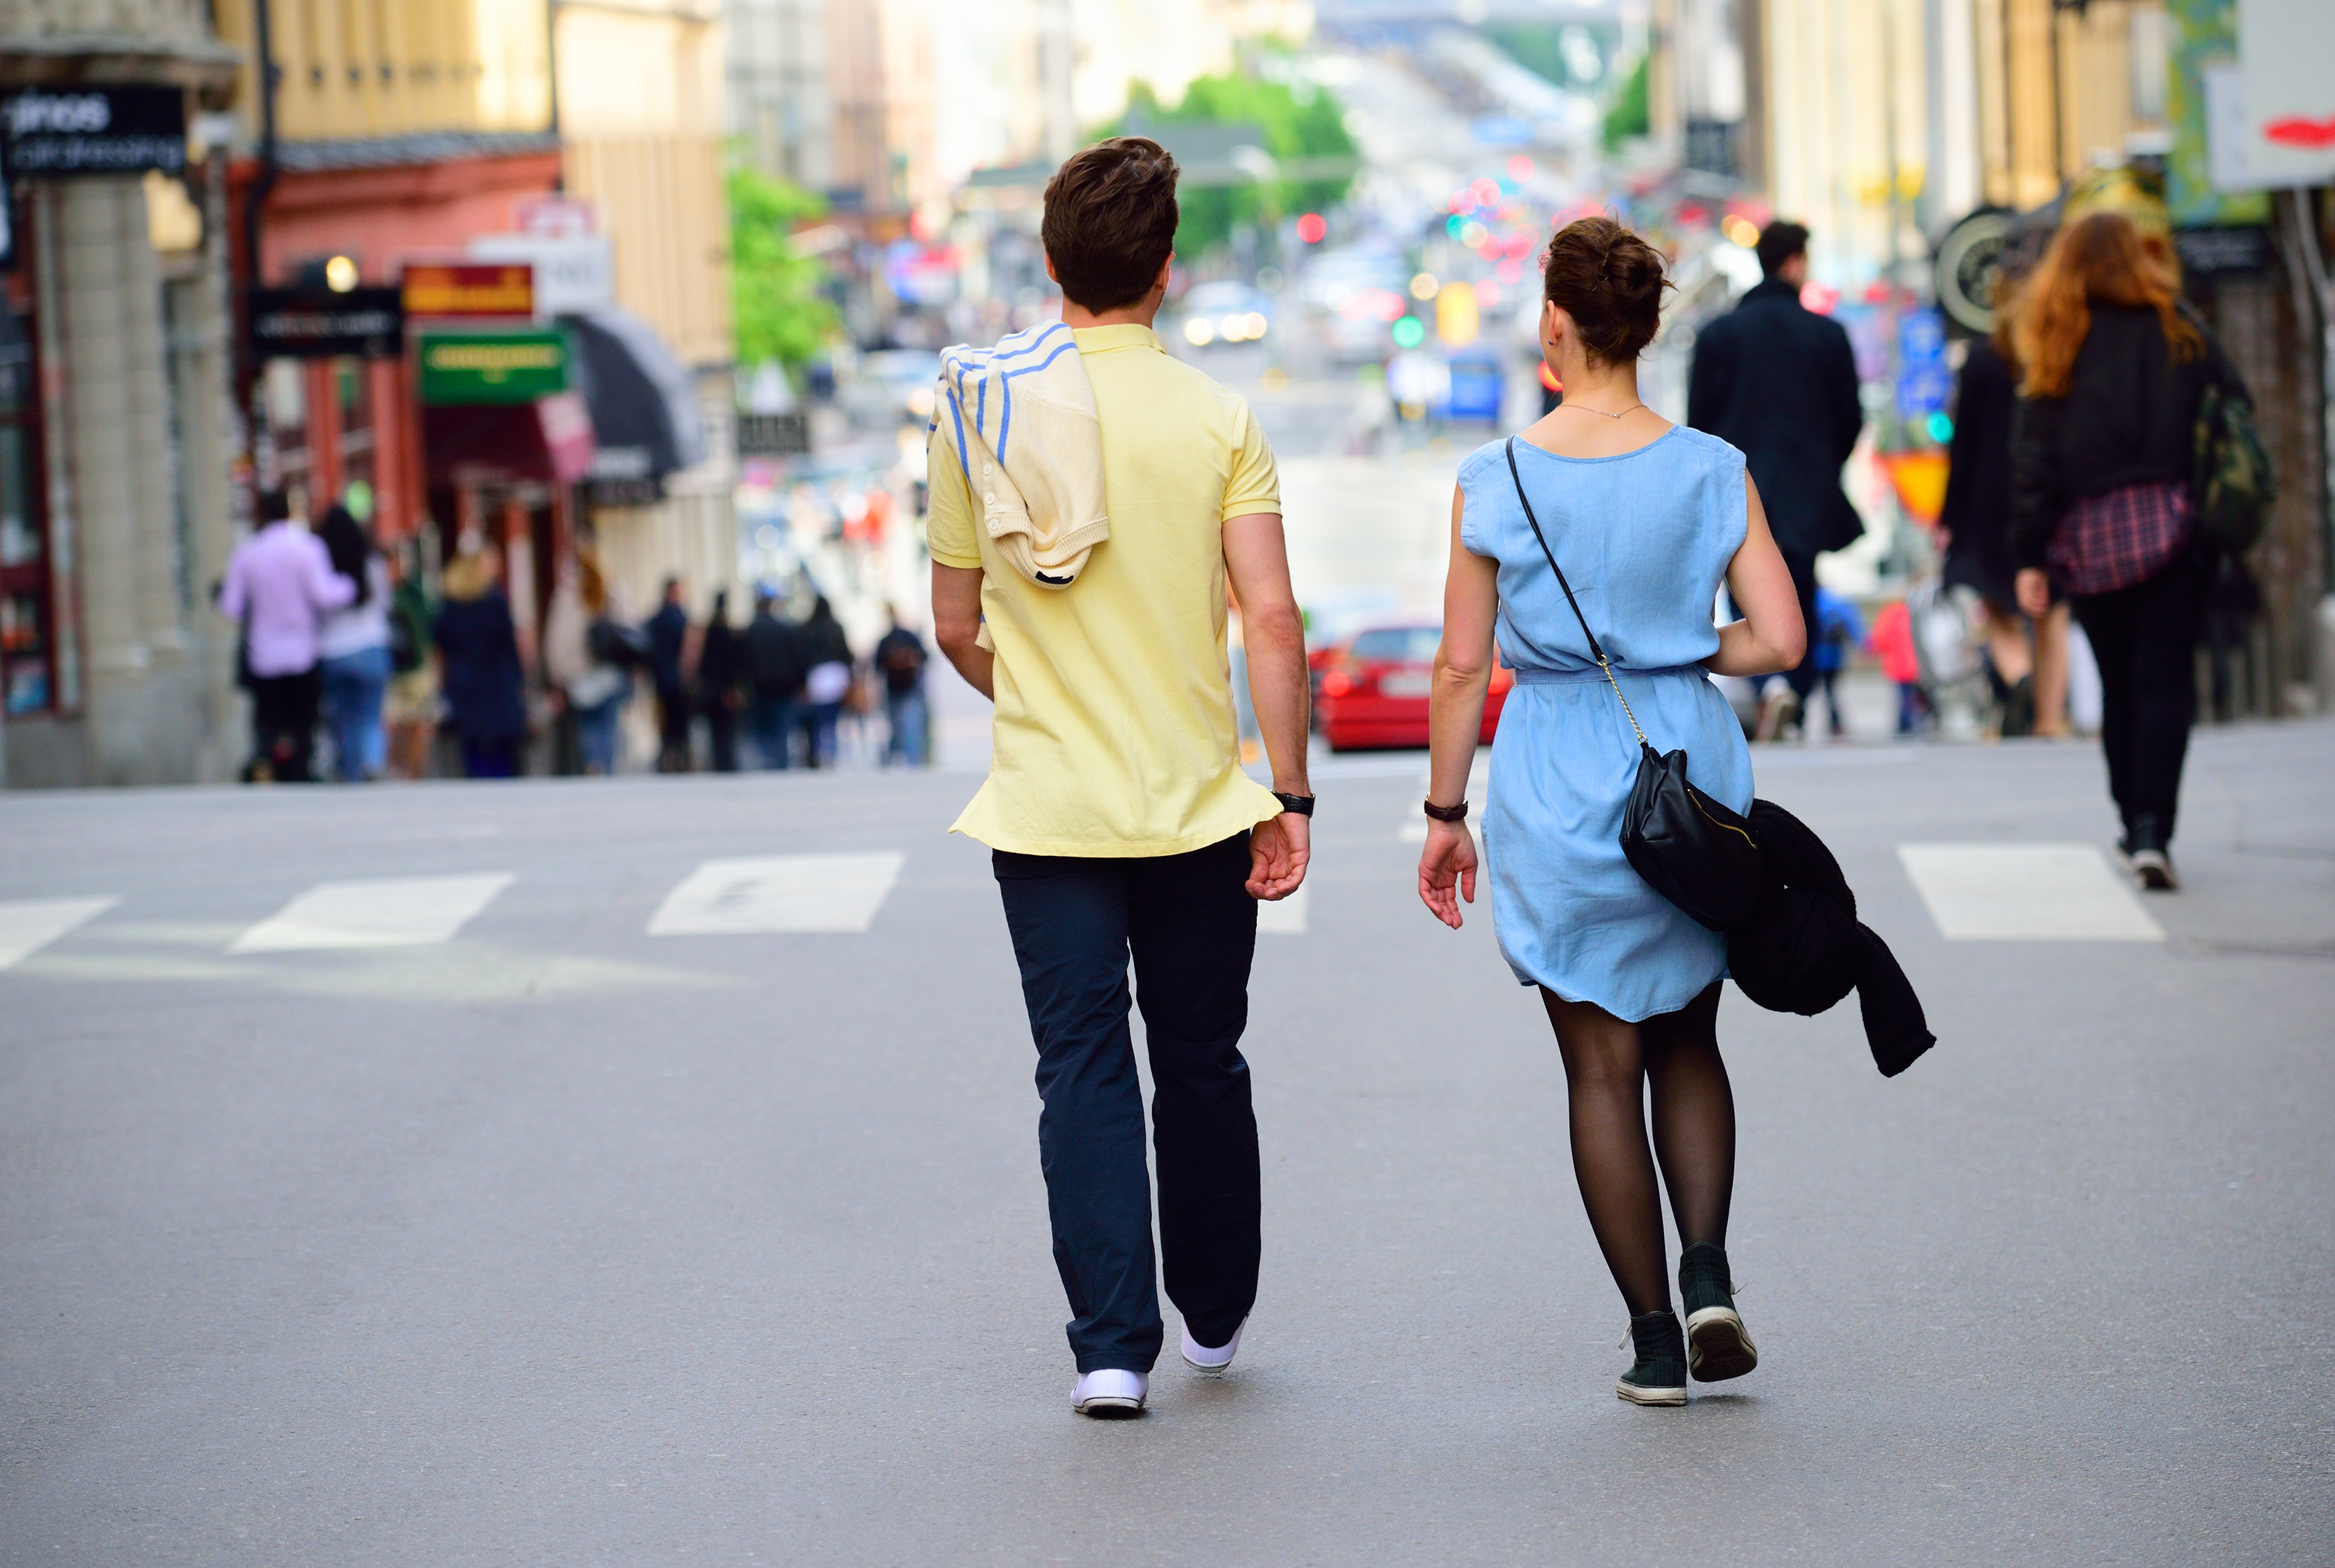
pixel 1693 1117
pixel 1603 1074
pixel 2006 644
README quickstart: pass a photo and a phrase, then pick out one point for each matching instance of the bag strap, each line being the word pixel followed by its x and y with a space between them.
pixel 1596 651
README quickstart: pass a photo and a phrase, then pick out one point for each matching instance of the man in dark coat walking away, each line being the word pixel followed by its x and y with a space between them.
pixel 668 635
pixel 1777 383
pixel 774 669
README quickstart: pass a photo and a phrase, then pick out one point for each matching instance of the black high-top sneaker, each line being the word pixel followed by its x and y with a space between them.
pixel 1658 1376
pixel 1717 1344
pixel 2148 850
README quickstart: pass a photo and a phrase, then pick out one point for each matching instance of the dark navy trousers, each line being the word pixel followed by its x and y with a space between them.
pixel 1190 927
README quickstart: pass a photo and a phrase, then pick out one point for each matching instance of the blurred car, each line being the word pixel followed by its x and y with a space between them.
pixel 1225 311
pixel 1375 686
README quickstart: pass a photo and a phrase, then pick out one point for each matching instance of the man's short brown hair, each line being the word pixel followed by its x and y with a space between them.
pixel 1110 221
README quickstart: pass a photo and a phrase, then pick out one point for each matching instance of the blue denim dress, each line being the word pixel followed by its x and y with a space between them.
pixel 1645 539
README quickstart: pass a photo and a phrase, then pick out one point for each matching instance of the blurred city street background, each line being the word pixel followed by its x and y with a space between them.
pixel 629 1160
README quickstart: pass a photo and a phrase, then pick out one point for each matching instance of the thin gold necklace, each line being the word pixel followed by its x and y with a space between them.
pixel 1600 413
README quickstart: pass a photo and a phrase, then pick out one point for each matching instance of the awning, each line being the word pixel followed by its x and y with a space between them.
pixel 642 402
pixel 547 441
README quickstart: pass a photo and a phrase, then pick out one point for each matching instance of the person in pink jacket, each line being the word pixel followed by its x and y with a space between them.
pixel 279 585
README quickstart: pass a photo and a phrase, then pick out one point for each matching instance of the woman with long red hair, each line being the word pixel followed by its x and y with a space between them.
pixel 2113 367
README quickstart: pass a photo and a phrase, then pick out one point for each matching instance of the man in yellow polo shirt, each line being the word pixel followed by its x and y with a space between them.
pixel 1120 819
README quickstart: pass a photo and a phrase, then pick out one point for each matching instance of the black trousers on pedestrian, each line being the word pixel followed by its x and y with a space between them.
pixel 1802 679
pixel 2144 640
pixel 672 728
pixel 284 723
pixel 1191 928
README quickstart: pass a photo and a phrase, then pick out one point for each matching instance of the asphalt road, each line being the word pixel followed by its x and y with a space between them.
pixel 559 1242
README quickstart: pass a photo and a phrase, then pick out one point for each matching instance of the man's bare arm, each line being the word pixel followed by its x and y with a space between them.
pixel 1273 633
pixel 956 624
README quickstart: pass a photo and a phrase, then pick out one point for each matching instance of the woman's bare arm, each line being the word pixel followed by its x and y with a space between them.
pixel 1771 636
pixel 1455 717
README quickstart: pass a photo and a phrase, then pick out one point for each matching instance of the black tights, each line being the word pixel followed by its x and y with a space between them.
pixel 1606 1060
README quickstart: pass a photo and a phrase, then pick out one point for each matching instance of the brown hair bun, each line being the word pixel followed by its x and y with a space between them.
pixel 1610 282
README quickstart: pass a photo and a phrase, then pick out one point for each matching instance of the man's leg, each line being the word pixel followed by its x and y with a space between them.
pixel 1068 917
pixel 1192 928
pixel 305 697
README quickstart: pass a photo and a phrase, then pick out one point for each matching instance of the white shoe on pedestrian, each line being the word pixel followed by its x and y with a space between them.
pixel 1211 1363
pixel 1110 1393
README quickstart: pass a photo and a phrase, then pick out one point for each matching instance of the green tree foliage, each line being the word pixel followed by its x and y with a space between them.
pixel 776 309
pixel 1293 120
pixel 1630 115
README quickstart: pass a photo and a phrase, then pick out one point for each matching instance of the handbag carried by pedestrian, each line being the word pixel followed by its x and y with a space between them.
pixel 1692 849
pixel 2232 485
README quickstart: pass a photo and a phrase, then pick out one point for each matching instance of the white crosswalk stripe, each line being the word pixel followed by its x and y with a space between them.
pixel 29 925
pixel 778 892
pixel 2026 893
pixel 1285 916
pixel 377 912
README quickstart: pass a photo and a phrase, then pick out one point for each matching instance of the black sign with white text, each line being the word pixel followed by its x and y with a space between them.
pixel 57 133
pixel 318 323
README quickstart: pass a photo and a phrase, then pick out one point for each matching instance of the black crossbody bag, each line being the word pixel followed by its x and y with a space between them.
pixel 1692 849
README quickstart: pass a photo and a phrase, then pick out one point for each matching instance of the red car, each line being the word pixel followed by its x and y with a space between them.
pixel 1375 683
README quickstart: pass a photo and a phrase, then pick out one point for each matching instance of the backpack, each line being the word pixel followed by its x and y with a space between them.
pixel 610 642
pixel 2231 480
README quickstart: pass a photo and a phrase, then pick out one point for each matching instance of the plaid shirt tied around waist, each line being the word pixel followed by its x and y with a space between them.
pixel 2120 537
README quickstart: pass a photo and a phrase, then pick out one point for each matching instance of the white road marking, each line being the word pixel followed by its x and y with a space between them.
pixel 377 912
pixel 778 892
pixel 29 925
pixel 2026 893
pixel 1286 916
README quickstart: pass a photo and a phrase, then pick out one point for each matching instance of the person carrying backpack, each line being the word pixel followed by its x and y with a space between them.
pixel 2105 448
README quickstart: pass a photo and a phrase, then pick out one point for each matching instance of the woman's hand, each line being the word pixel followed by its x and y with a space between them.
pixel 2033 586
pixel 1447 870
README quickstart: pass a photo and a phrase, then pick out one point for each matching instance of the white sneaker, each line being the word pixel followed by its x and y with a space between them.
pixel 1110 1393
pixel 1211 1363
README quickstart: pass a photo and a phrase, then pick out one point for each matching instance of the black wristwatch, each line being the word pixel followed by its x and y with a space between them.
pixel 1447 813
pixel 1300 804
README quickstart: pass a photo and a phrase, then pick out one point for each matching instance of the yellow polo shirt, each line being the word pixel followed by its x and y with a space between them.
pixel 1114 733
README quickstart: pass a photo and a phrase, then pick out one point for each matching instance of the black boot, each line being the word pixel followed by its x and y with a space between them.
pixel 2018 709
pixel 1718 1345
pixel 1658 1376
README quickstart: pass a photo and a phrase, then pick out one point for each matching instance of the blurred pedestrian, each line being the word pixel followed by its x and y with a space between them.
pixel 668 637
pixel 1119 817
pixel 1838 629
pixel 1777 383
pixel 1975 529
pixel 826 680
pixel 589 655
pixel 353 650
pixel 1893 644
pixel 478 665
pixel 900 657
pixel 1655 517
pixel 2115 368
pixel 774 669
pixel 280 584
pixel 412 708
pixel 721 666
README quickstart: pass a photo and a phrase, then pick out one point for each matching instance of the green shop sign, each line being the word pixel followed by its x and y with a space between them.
pixel 492 367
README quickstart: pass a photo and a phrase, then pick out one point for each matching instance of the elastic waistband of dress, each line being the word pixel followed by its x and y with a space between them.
pixel 1592 673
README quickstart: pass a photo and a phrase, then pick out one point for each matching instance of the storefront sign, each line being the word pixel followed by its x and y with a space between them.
pixel 2206 252
pixel 307 324
pixel 1967 261
pixel 47 133
pixel 496 288
pixel 509 367
pixel 571 275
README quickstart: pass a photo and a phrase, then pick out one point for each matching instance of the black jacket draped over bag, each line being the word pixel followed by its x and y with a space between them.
pixel 2130 418
pixel 1777 383
pixel 1803 948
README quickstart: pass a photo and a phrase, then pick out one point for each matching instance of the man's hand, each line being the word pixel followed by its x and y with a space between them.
pixel 2033 586
pixel 1278 850
pixel 1447 870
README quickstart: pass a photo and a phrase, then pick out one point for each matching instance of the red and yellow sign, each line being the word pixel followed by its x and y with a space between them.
pixel 472 288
